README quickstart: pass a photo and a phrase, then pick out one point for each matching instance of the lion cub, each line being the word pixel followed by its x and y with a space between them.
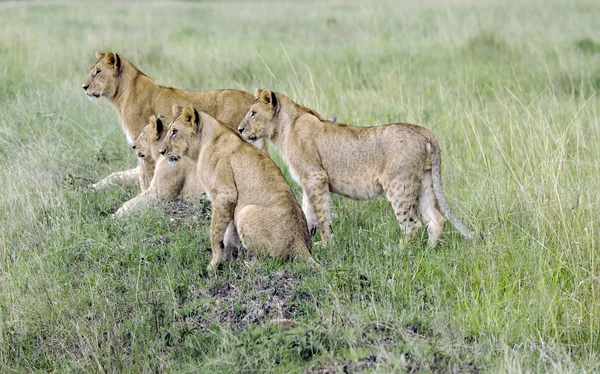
pixel 401 160
pixel 178 180
pixel 250 198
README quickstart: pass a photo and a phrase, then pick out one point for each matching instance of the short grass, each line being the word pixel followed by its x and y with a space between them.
pixel 510 90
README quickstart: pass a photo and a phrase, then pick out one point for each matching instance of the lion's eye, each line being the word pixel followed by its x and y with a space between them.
pixel 96 73
pixel 173 134
pixel 252 114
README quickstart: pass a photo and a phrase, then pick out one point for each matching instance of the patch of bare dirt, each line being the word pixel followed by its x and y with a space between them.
pixel 438 363
pixel 412 364
pixel 369 362
pixel 266 302
pixel 155 241
pixel 186 213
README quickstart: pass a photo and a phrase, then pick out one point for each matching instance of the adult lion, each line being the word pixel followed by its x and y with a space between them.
pixel 401 160
pixel 136 97
pixel 250 198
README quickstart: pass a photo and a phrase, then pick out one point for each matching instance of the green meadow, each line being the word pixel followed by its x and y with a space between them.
pixel 510 89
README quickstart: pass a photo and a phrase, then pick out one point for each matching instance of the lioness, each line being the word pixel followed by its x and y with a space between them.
pixel 179 180
pixel 356 162
pixel 250 198
pixel 136 97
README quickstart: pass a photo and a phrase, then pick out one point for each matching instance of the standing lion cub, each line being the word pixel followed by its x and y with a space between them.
pixel 401 160
pixel 250 198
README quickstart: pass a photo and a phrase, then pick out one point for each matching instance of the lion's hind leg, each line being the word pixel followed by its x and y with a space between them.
pixel 270 230
pixel 254 228
pixel 402 192
pixel 429 210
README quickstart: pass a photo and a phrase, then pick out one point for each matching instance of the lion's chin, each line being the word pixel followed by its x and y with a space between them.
pixel 172 159
pixel 92 96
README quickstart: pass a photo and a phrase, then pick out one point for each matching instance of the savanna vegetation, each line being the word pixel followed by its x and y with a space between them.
pixel 509 88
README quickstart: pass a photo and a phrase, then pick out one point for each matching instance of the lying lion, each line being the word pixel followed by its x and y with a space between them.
pixel 136 97
pixel 401 160
pixel 179 180
pixel 250 198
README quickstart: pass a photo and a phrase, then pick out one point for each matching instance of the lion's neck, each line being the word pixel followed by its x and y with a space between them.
pixel 155 146
pixel 198 141
pixel 288 115
pixel 134 99
pixel 193 150
pixel 208 134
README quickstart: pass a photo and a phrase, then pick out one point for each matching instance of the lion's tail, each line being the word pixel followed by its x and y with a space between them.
pixel 436 173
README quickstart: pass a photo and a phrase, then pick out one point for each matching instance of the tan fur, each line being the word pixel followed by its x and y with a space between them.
pixel 136 97
pixel 179 180
pixel 401 161
pixel 248 192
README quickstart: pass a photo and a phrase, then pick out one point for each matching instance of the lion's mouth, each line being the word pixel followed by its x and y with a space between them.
pixel 251 137
pixel 92 95
pixel 141 155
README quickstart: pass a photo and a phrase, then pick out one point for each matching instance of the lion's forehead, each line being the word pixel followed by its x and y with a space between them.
pixel 93 68
pixel 96 65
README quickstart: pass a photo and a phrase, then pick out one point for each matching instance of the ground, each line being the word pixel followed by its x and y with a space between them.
pixel 509 88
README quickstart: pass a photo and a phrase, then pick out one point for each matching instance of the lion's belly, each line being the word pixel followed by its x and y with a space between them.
pixel 356 188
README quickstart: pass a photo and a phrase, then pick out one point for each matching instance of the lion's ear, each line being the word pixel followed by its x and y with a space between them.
pixel 190 117
pixel 257 92
pixel 99 55
pixel 189 114
pixel 112 59
pixel 266 96
pixel 157 127
pixel 176 109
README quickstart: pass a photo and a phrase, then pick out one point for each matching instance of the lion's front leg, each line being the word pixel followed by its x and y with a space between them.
pixel 232 241
pixel 316 188
pixel 145 174
pixel 125 178
pixel 222 216
pixel 309 213
pixel 138 203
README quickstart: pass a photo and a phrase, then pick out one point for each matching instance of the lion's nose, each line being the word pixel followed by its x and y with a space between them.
pixel 241 129
pixel 85 86
pixel 134 146
pixel 162 151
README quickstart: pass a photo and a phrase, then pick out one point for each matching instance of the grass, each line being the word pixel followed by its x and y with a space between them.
pixel 509 89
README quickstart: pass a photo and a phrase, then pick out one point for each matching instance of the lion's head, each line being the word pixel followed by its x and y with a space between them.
pixel 150 134
pixel 103 78
pixel 179 133
pixel 260 120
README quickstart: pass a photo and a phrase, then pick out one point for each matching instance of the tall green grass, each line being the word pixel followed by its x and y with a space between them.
pixel 509 88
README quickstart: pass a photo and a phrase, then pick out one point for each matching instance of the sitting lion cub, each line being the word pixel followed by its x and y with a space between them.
pixel 179 180
pixel 356 162
pixel 250 198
